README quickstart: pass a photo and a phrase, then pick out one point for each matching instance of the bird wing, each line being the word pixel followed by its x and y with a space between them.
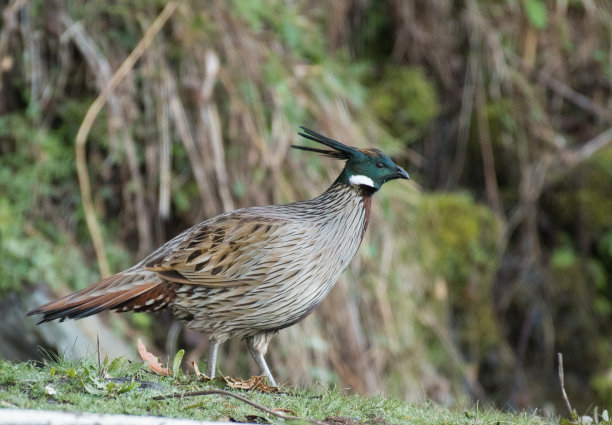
pixel 230 250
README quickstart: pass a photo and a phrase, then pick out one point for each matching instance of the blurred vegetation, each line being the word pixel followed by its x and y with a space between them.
pixel 464 289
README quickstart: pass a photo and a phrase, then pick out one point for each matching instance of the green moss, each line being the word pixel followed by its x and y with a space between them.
pixel 582 206
pixel 405 100
pixel 587 195
pixel 501 115
pixel 458 237
pixel 602 383
pixel 458 246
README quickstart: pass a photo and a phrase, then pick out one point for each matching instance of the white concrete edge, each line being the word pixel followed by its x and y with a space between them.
pixel 49 417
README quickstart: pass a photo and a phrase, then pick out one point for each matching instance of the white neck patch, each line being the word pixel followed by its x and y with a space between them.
pixel 360 180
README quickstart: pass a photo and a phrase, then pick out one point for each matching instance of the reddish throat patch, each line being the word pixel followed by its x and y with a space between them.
pixel 366 193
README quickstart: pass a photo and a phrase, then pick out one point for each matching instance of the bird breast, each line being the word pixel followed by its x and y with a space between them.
pixel 287 273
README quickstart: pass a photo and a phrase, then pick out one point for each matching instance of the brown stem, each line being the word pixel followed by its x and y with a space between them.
pixel 241 398
pixel 486 149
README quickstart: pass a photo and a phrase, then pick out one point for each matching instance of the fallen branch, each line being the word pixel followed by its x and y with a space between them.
pixel 241 398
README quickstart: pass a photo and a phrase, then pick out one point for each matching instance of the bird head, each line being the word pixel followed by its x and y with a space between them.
pixel 364 167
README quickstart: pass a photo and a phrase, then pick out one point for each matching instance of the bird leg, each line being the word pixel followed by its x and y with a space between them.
pixel 212 358
pixel 258 346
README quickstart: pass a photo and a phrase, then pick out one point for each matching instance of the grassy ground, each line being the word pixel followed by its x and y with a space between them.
pixel 131 389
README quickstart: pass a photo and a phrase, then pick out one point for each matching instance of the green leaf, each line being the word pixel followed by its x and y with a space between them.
pixel 176 363
pixel 116 365
pixel 127 386
pixel 92 386
pixel 90 389
pixel 536 13
pixel 563 257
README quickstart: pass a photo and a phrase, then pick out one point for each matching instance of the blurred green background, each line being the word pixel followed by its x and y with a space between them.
pixel 496 256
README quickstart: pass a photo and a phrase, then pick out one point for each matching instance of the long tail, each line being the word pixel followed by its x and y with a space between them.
pixel 126 291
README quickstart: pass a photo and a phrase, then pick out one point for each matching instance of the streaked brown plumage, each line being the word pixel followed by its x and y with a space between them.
pixel 250 272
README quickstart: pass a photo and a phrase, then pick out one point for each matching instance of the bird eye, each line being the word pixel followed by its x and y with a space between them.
pixel 380 165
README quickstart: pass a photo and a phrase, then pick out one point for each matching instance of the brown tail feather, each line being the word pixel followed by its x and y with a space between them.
pixel 123 292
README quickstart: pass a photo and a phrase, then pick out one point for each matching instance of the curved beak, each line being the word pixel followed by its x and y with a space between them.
pixel 401 173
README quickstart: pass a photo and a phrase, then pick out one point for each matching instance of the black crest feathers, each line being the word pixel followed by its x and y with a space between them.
pixel 339 151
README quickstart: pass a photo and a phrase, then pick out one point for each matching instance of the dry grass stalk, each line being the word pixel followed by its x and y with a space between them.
pixel 162 114
pixel 562 383
pixel 183 127
pixel 486 149
pixel 90 116
pixel 209 118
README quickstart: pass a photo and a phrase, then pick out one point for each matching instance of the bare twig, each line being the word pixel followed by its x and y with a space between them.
pixel 90 116
pixel 555 166
pixel 574 97
pixel 562 382
pixel 548 169
pixel 241 398
pixel 563 90
pixel 209 117
pixel 591 147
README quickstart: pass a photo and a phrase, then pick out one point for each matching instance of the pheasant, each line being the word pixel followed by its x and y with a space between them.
pixel 251 272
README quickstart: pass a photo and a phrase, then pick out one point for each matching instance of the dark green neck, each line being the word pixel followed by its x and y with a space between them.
pixel 343 177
